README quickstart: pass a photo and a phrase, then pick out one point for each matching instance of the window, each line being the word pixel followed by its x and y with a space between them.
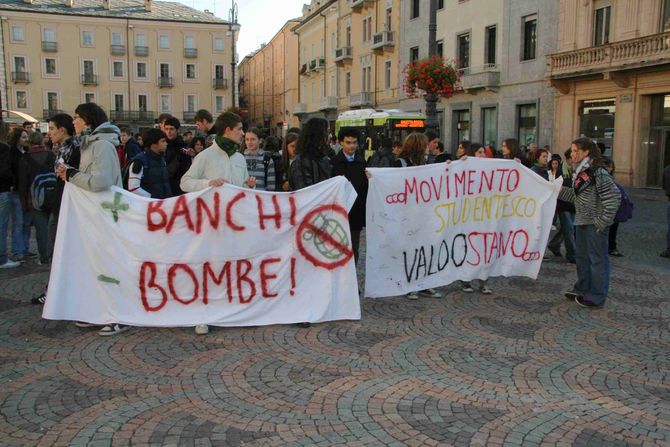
pixel 164 70
pixel 218 104
pixel 219 44
pixel 387 75
pixel 597 119
pixel 333 85
pixel 347 37
pixel 50 66
pixel 118 102
pixel 462 122
pixel 87 38
pixel 440 4
pixel 49 35
pixel 527 123
pixel 219 71
pixel 52 100
pixel 463 50
pixel 189 41
pixel 665 16
pixel 414 9
pixel 89 97
pixel 19 64
pixel 388 21
pixel 164 42
pixel 21 99
pixel 142 102
pixel 117 38
pixel 413 54
pixel 140 40
pixel 347 83
pixel 141 70
pixel 117 69
pixel 165 105
pixel 529 37
pixel 601 27
pixel 439 48
pixel 490 48
pixel 367 29
pixel 190 71
pixel 190 103
pixel 489 125
pixel 366 79
pixel 89 68
pixel 18 34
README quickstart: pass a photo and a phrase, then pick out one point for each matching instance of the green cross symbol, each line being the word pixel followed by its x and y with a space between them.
pixel 116 206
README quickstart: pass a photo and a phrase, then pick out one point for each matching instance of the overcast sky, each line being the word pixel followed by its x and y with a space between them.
pixel 260 19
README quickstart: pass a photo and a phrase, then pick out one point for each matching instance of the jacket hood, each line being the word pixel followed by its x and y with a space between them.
pixel 106 131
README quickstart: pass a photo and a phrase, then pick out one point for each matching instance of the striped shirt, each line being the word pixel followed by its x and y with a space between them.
pixel 256 168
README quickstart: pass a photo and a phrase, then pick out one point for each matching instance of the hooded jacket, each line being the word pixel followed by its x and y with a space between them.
pixel 99 165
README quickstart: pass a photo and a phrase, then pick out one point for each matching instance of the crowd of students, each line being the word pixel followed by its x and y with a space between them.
pixel 93 154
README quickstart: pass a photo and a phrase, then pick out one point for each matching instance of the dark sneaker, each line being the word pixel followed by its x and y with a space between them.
pixel 304 324
pixel 571 295
pixel 584 302
pixel 112 329
pixel 39 300
pixel 571 260
pixel 83 324
pixel 665 253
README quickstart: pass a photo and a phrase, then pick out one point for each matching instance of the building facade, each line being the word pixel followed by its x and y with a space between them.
pixel 269 81
pixel 611 72
pixel 500 49
pixel 348 57
pixel 135 58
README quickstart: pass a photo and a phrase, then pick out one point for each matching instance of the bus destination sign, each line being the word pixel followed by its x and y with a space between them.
pixel 408 124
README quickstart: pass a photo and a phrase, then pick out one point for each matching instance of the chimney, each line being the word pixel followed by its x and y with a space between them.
pixel 147 5
pixel 107 4
pixel 69 3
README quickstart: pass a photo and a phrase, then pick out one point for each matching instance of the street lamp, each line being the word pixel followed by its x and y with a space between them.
pixel 431 98
pixel 232 22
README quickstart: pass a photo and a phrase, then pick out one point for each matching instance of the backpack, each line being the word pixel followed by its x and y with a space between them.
pixel 625 211
pixel 43 186
pixel 381 159
pixel 125 173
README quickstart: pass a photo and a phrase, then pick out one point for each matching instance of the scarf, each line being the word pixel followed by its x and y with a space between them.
pixel 582 166
pixel 227 145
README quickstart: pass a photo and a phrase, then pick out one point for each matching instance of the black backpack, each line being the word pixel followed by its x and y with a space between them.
pixel 381 159
pixel 43 183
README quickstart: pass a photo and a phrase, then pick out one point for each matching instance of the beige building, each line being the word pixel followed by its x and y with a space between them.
pixel 612 76
pixel 268 80
pixel 135 58
pixel 348 56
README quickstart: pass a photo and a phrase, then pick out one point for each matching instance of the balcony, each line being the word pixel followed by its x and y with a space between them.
pixel 485 77
pixel 21 77
pixel 49 47
pixel 165 81
pixel 303 70
pixel 312 65
pixel 189 117
pixel 89 79
pixel 47 114
pixel 360 99
pixel 342 54
pixel 300 108
pixel 610 60
pixel 132 116
pixel 219 83
pixel 141 51
pixel 382 40
pixel 320 63
pixel 328 103
pixel 118 50
pixel 190 53
pixel 356 5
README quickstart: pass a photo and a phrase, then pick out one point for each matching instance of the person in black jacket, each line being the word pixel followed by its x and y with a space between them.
pixel 6 188
pixel 666 186
pixel 311 164
pixel 130 146
pixel 177 155
pixel 351 164
pixel 147 171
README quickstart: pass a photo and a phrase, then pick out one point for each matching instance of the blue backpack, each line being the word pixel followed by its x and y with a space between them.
pixel 625 211
pixel 43 187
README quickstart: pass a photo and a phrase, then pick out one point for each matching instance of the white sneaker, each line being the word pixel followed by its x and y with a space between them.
pixel 430 293
pixel 486 291
pixel 202 329
pixel 112 329
pixel 412 296
pixel 10 264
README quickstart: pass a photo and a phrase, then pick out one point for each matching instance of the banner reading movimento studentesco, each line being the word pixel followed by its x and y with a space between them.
pixel 428 226
pixel 223 256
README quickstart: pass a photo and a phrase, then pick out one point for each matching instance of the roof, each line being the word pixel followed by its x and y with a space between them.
pixel 122 9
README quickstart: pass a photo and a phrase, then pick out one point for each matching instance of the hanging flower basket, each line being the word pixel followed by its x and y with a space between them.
pixel 434 75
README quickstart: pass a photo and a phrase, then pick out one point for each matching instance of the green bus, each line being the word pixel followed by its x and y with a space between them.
pixel 377 125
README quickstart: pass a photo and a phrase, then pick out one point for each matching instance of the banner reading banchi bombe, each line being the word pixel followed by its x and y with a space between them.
pixel 223 256
pixel 428 226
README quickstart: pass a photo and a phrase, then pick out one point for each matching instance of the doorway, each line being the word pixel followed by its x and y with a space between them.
pixel 658 144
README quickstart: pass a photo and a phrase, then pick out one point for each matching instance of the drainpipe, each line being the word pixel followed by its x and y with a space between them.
pixel 128 68
pixel 5 64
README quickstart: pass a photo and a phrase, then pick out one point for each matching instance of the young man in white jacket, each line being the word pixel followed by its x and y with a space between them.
pixel 220 163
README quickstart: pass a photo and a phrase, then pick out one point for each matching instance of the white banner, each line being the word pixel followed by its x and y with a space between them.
pixel 428 226
pixel 223 256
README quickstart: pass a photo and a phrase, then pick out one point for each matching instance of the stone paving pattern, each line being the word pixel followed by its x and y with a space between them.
pixel 520 367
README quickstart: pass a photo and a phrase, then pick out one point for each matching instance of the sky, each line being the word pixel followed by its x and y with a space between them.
pixel 259 19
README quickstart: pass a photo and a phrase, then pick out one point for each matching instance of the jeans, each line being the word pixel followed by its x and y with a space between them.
pixel 593 264
pixel 27 223
pixel 16 218
pixel 4 225
pixel 566 235
pixel 667 236
pixel 41 221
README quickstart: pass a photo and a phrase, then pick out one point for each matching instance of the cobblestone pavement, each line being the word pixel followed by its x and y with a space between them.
pixel 521 367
